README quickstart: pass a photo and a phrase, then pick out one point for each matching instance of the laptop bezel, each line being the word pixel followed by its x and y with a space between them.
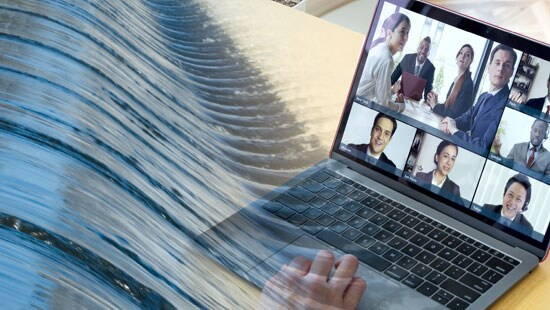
pixel 464 215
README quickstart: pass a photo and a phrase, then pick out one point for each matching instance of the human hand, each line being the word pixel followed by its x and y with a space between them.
pixel 431 99
pixel 517 97
pixel 448 125
pixel 305 284
pixel 396 87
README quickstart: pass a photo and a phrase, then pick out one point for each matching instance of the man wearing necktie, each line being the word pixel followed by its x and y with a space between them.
pixel 543 103
pixel 533 154
pixel 417 64
pixel 479 124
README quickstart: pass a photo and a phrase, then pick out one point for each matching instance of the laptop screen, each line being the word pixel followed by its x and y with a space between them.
pixel 476 140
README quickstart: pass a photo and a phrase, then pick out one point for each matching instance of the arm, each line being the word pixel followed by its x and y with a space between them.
pixel 429 79
pixel 397 72
pixel 464 100
pixel 483 141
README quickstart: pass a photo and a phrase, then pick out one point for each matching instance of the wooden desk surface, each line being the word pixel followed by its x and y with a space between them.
pixel 312 61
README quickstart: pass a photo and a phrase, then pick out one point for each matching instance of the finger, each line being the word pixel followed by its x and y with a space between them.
pixel 346 267
pixel 299 265
pixel 354 292
pixel 322 264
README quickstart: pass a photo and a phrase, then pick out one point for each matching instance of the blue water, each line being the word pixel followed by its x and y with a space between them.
pixel 127 128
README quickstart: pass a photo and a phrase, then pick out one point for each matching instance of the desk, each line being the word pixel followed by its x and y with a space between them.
pixel 314 60
pixel 421 112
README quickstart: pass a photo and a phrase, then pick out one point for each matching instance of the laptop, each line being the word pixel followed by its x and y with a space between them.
pixel 422 242
pixel 413 86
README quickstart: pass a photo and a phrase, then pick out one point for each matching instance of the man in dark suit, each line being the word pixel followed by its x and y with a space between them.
pixel 517 194
pixel 543 103
pixel 417 64
pixel 380 135
pixel 479 124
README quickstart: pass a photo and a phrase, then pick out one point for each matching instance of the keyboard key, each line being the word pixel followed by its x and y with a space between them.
pixel 370 202
pixel 440 265
pixel 451 242
pixel 365 212
pixel 382 208
pixel 396 273
pixel 370 229
pixel 410 221
pixel 392 226
pixel 426 257
pixel 447 254
pixel 343 215
pixel 293 203
pixel 352 234
pixel 285 213
pixel 325 220
pixel 411 250
pixel 441 298
pixel 437 235
pixel 397 243
pixel 413 281
pixel 460 290
pixel 357 222
pixel 352 206
pixel 465 249
pixel 357 195
pixel 338 227
pixel 477 269
pixel 383 236
pixel 339 199
pixel 318 202
pixel 499 265
pixel 474 282
pixel 466 239
pixel 312 213
pixel 332 183
pixel 312 186
pixel 405 232
pixel 319 176
pixel 436 277
pixel 433 247
pixel 492 276
pixel 427 289
pixel 454 272
pixel 362 254
pixel 297 219
pixel 326 193
pixel 311 227
pixel 511 261
pixel 345 189
pixel 379 248
pixel 272 206
pixel 332 174
pixel 396 214
pixel 462 261
pixel 480 256
pixel 330 208
pixel 406 262
pixel 419 239
pixel 421 270
pixel 423 228
pixel 365 241
pixel 392 255
pixel 378 219
pixel 301 193
pixel 457 304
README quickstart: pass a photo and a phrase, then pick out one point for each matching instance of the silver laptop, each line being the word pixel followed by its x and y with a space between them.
pixel 441 212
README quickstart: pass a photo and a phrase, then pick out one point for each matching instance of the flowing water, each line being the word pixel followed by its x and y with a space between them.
pixel 127 128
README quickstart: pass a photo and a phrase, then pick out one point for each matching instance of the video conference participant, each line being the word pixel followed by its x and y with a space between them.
pixel 479 124
pixel 460 96
pixel 382 131
pixel 543 103
pixel 444 159
pixel 517 194
pixel 375 79
pixel 532 154
pixel 417 64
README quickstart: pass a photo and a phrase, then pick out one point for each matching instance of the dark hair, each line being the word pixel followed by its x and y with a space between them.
pixel 443 144
pixel 504 48
pixel 427 39
pixel 390 23
pixel 380 115
pixel 451 100
pixel 524 181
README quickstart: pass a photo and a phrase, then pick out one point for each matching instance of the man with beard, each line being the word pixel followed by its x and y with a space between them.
pixel 532 154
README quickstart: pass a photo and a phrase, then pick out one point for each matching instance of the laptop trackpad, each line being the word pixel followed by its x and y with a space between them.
pixel 378 287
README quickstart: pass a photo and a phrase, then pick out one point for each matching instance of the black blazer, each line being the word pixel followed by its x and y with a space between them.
pixel 464 100
pixel 536 103
pixel 448 185
pixel 360 150
pixel 407 64
pixel 490 210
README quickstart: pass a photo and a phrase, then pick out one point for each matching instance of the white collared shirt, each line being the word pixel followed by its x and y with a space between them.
pixel 372 155
pixel 537 150
pixel 434 182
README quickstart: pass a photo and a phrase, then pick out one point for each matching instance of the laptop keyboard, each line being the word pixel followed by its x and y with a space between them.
pixel 436 260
